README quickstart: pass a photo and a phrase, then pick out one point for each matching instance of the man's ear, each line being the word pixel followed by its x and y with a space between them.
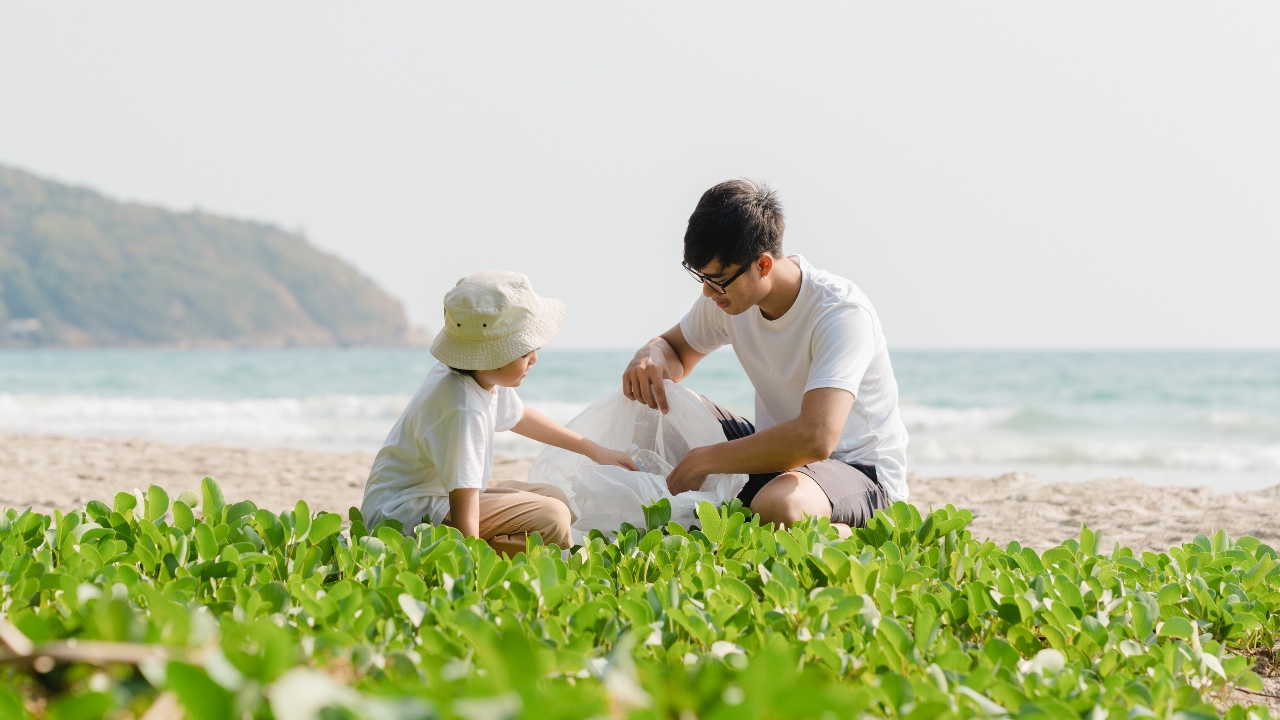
pixel 766 264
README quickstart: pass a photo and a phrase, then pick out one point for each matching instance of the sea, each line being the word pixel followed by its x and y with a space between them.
pixel 1162 418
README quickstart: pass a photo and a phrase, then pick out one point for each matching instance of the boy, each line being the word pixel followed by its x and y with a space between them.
pixel 436 463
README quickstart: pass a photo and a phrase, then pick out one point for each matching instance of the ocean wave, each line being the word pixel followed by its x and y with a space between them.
pixel 923 418
pixel 325 422
pixel 1214 457
pixel 328 422
pixel 338 422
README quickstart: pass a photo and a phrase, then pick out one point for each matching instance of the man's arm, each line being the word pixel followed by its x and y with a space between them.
pixel 809 438
pixel 668 356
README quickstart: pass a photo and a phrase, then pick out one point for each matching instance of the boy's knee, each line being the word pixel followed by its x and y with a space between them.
pixel 552 520
pixel 557 494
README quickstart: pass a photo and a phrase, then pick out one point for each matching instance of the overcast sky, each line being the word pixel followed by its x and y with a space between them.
pixel 1007 175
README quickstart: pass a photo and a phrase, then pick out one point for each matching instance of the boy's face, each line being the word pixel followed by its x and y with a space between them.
pixel 514 372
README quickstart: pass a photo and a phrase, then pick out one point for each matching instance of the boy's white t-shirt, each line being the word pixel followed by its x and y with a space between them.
pixel 830 337
pixel 443 441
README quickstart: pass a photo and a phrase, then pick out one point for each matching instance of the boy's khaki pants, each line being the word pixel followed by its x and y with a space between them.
pixel 510 510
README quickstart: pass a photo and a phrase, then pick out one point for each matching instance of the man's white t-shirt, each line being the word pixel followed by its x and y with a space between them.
pixel 831 337
pixel 442 442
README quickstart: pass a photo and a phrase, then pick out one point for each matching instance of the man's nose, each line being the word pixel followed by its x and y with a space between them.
pixel 706 290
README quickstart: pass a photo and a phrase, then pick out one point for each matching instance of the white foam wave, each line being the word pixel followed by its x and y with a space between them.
pixel 326 422
pixel 1004 450
pixel 924 418
pixel 939 436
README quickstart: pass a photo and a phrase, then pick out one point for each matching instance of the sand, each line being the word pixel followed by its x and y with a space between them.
pixel 54 472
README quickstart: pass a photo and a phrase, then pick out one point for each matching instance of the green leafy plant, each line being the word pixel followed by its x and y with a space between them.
pixel 233 611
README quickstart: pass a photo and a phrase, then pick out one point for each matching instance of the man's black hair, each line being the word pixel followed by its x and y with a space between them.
pixel 735 222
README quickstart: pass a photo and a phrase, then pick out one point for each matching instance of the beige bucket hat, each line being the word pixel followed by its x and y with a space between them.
pixel 492 318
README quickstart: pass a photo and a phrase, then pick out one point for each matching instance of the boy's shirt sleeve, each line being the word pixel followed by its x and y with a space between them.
pixel 844 344
pixel 510 410
pixel 457 445
pixel 705 326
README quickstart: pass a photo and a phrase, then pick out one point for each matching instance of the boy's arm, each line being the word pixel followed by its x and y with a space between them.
pixel 464 511
pixel 536 426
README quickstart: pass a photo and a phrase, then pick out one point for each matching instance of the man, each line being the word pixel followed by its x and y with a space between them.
pixel 828 439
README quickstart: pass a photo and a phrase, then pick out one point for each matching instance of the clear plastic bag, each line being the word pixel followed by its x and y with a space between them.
pixel 605 496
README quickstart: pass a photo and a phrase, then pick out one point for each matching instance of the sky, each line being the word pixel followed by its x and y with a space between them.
pixel 993 174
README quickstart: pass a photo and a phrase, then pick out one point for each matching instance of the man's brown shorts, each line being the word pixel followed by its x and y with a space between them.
pixel 853 489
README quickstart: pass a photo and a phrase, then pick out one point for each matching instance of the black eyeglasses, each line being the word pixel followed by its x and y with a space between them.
pixel 717 286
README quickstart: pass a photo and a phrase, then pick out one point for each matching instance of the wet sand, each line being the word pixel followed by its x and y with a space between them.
pixel 54 472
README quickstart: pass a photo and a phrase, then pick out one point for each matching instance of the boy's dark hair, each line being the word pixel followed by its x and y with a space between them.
pixel 735 222
pixel 472 373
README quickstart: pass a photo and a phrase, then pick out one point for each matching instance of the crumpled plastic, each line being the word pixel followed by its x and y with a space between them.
pixel 605 496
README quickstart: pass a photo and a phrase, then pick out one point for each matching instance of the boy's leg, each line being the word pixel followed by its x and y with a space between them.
pixel 510 510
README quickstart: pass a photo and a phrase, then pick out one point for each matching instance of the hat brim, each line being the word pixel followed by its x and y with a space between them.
pixel 493 354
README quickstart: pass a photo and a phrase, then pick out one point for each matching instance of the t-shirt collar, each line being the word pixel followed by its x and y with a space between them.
pixel 794 311
pixel 470 380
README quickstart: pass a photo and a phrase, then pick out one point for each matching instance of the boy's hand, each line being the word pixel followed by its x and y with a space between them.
pixel 604 456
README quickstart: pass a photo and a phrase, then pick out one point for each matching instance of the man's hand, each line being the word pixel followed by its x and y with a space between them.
pixel 642 380
pixel 666 357
pixel 688 475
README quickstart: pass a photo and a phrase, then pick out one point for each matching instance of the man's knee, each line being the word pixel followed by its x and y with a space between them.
pixel 789 498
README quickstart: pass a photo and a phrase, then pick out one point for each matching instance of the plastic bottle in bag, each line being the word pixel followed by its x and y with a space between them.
pixel 605 496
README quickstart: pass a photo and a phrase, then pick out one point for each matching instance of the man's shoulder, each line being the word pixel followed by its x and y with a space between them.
pixel 831 291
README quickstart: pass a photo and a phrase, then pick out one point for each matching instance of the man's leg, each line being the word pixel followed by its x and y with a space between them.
pixel 848 494
pixel 510 510
pixel 788 498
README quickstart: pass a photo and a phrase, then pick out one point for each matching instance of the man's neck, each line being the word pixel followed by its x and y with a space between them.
pixel 786 279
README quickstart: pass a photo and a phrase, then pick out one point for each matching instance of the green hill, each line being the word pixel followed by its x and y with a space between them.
pixel 80 269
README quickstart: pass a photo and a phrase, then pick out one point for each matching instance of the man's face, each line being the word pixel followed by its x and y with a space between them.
pixel 742 294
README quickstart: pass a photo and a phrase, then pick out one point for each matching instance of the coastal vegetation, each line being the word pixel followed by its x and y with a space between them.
pixel 80 269
pixel 147 605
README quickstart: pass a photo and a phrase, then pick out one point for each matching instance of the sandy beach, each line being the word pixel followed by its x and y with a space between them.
pixel 54 472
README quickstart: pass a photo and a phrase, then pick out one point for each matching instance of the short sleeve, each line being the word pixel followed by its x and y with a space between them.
pixel 509 411
pixel 705 326
pixel 456 444
pixel 844 343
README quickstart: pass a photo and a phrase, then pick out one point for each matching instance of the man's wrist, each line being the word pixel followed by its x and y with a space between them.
pixel 702 459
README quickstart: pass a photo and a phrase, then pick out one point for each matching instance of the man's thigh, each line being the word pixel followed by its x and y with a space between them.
pixel 849 495
pixel 852 495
